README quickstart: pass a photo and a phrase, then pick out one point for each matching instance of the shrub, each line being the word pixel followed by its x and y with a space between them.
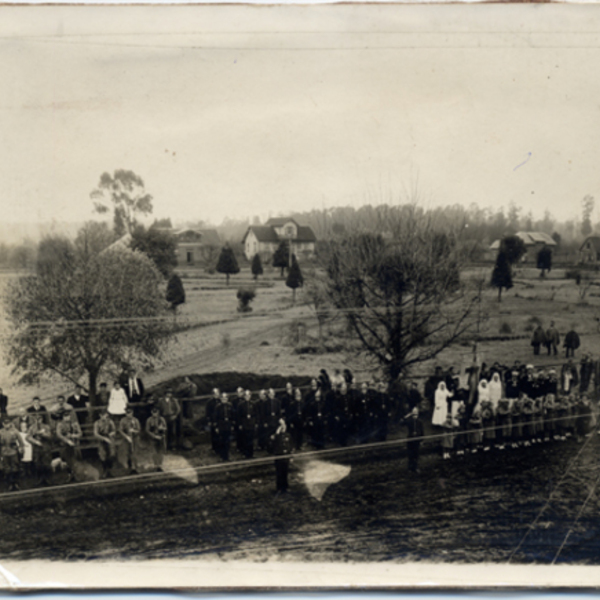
pixel 245 296
pixel 532 323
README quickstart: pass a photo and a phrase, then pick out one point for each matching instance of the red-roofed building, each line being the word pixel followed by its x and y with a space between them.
pixel 264 239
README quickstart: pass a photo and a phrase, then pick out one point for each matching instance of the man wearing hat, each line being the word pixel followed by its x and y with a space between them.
pixel 156 428
pixel 552 339
pixel 170 409
pixel 68 433
pixel 105 432
pixel 130 428
pixel 39 436
pixel 11 446
pixel 282 446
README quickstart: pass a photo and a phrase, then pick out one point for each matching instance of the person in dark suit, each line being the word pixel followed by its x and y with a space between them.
pixel 3 403
pixel 37 409
pixel 316 420
pixel 134 387
pixel 282 447
pixel 224 421
pixel 246 425
pixel 80 402
pixel 271 414
pixel 211 406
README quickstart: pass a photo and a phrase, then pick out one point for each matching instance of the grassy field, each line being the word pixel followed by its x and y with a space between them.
pixel 477 509
pixel 263 341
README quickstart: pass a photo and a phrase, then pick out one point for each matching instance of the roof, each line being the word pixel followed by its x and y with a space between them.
pixel 536 237
pixel 279 221
pixel 595 240
pixel 262 233
pixel 305 234
pixel 210 237
pixel 530 238
pixel 266 233
pixel 207 237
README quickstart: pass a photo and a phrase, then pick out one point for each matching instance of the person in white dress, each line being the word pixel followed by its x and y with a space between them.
pixel 495 390
pixel 483 393
pixel 117 402
pixel 440 409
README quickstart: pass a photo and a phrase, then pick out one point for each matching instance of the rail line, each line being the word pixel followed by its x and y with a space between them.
pixel 261 461
pixel 551 497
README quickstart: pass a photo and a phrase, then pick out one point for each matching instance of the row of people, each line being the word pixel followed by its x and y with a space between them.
pixel 515 422
pixel 340 414
pixel 504 382
pixel 29 446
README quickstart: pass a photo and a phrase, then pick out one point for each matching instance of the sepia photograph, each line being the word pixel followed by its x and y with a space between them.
pixel 299 296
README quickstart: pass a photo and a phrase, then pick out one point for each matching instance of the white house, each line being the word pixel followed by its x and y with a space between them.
pixel 265 239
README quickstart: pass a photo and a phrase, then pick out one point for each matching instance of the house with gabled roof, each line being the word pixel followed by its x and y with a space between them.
pixel 534 241
pixel 265 239
pixel 589 252
pixel 196 246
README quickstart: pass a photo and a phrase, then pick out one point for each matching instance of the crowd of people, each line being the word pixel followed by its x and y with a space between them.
pixel 494 407
pixel 509 407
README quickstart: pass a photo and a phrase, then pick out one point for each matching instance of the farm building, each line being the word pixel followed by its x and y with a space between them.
pixel 196 246
pixel 590 250
pixel 534 241
pixel 264 239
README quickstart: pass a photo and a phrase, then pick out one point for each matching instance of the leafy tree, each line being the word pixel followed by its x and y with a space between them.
pixel 227 262
pixel 557 238
pixel 281 257
pixel 88 313
pixel 159 246
pixel 401 296
pixel 544 260
pixel 514 248
pixel 294 279
pixel 257 268
pixel 245 296
pixel 23 256
pixel 125 191
pixel 502 274
pixel 162 223
pixel 56 258
pixel 175 291
pixel 93 237
pixel 588 208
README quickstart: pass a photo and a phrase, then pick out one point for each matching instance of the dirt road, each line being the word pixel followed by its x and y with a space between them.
pixel 473 510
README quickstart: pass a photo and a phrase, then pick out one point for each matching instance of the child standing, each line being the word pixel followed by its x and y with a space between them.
pixel 448 437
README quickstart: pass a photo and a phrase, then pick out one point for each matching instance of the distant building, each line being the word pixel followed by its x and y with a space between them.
pixel 264 239
pixel 196 246
pixel 590 250
pixel 123 242
pixel 534 241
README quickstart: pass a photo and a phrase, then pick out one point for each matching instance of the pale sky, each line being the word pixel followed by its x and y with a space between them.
pixel 242 111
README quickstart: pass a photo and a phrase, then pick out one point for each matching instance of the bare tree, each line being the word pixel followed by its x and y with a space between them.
pixel 402 295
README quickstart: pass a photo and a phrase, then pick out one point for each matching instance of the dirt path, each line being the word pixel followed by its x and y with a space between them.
pixel 472 510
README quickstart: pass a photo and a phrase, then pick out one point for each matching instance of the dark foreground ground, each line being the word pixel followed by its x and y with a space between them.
pixel 477 509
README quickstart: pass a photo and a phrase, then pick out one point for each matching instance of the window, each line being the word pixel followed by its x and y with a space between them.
pixel 190 257
pixel 289 231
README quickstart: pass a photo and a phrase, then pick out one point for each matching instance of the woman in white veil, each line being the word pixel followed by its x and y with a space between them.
pixel 495 388
pixel 440 409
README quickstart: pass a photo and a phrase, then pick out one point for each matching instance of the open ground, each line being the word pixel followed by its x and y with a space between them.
pixel 476 510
